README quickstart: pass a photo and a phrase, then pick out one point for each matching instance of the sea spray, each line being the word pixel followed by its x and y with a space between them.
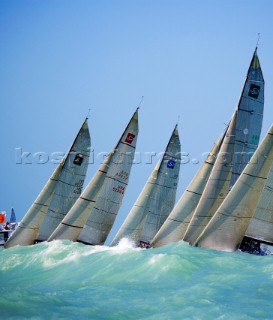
pixel 65 280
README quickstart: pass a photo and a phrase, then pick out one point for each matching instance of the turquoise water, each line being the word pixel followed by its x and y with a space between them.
pixel 64 280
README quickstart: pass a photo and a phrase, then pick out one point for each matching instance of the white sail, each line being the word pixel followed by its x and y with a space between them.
pixel 134 223
pixel 157 198
pixel 28 228
pixel 229 224
pixel 73 223
pixel 109 200
pixel 249 119
pixel 216 188
pixel 65 191
pixel 175 226
pixel 261 225
pixel 70 183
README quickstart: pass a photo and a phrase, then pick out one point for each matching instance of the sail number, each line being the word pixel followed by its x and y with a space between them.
pixel 119 189
pixel 78 187
pixel 123 175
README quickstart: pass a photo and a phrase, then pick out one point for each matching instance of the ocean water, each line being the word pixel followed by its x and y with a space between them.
pixel 64 280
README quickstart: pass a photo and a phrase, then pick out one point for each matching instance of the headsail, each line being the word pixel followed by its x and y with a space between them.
pixel 157 198
pixel 64 185
pixel 216 188
pixel 261 225
pixel 28 228
pixel 249 119
pixel 109 200
pixel 229 224
pixel 175 226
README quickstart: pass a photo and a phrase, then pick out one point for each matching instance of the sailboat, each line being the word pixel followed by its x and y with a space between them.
pixel 156 200
pixel 58 195
pixel 176 224
pixel 228 226
pixel 13 220
pixel 249 113
pixel 244 135
pixel 7 226
pixel 91 218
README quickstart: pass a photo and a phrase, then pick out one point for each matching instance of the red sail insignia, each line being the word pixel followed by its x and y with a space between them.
pixel 130 137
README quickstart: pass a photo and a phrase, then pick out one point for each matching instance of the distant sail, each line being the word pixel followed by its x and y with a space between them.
pixel 229 224
pixel 216 188
pixel 175 226
pixel 73 223
pixel 12 216
pixel 109 200
pixel 157 198
pixel 64 185
pixel 249 119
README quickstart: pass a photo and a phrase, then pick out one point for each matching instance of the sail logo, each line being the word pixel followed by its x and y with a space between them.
pixel 78 159
pixel 170 164
pixel 130 138
pixel 254 91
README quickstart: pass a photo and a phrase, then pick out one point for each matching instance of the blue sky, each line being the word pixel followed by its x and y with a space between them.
pixel 59 58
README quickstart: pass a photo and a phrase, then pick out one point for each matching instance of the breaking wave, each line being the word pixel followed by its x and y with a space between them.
pixel 64 280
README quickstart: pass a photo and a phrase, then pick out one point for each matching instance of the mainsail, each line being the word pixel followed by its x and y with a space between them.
pixel 73 223
pixel 59 193
pixel 175 226
pixel 229 224
pixel 216 188
pixel 104 212
pixel 157 198
pixel 249 118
